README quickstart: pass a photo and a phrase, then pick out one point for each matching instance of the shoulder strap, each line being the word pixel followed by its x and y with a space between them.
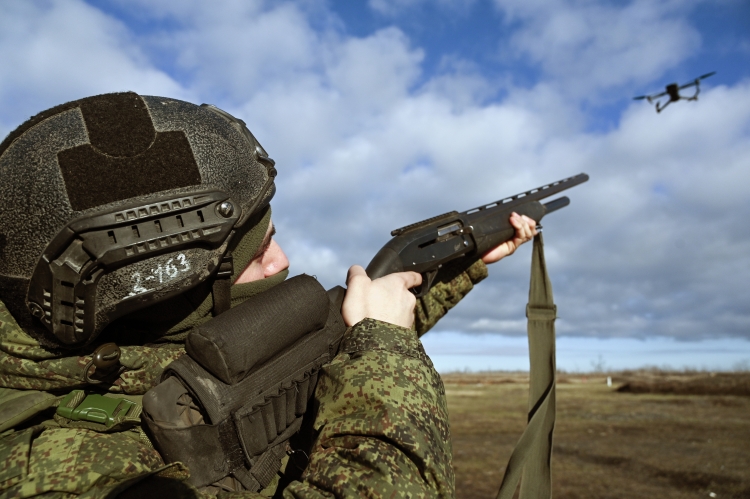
pixel 530 460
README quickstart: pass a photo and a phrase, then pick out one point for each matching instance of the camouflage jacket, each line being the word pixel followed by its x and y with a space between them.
pixel 382 424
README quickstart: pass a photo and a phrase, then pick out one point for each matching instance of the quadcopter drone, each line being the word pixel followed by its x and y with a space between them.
pixel 673 91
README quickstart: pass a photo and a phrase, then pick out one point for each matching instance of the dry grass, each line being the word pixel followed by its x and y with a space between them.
pixel 671 435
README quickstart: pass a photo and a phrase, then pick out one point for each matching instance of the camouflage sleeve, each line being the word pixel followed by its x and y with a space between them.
pixel 382 422
pixel 50 461
pixel 452 284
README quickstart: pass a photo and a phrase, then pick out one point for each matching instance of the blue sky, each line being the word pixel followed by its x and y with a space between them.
pixel 385 112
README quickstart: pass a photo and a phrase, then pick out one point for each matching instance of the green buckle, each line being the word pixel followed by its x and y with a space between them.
pixel 77 406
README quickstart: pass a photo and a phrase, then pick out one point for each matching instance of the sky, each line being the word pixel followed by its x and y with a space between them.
pixel 381 113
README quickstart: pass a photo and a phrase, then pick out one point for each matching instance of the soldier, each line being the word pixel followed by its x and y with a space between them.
pixel 126 222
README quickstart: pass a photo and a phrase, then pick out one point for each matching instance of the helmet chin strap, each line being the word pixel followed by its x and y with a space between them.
pixel 223 292
pixel 222 287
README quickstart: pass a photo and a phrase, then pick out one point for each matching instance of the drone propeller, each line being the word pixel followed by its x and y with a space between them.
pixel 697 80
pixel 686 85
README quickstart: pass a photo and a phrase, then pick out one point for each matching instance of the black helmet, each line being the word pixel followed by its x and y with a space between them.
pixel 115 202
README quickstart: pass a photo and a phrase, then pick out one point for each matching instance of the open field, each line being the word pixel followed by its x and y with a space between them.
pixel 665 435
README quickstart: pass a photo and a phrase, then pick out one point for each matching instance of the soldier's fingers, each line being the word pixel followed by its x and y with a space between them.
pixel 355 271
pixel 526 228
pixel 531 224
pixel 411 279
pixel 515 220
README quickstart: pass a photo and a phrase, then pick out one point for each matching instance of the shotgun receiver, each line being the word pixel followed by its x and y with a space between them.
pixel 426 246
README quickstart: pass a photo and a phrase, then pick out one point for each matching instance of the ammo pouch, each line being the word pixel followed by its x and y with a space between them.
pixel 252 371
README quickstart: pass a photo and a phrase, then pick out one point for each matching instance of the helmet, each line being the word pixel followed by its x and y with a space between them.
pixel 113 203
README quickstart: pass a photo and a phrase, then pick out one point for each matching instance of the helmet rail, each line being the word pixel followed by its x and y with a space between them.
pixel 63 290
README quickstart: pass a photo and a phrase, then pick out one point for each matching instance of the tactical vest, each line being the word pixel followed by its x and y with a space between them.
pixel 228 408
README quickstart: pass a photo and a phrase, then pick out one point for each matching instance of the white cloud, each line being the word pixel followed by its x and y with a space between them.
pixel 374 71
pixel 56 51
pixel 397 7
pixel 514 326
pixel 656 242
pixel 311 257
pixel 588 45
pixel 243 52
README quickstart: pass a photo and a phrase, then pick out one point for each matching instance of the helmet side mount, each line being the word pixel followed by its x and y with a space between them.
pixel 150 243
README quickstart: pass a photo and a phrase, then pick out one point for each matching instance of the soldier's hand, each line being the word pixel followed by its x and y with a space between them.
pixel 387 299
pixel 525 231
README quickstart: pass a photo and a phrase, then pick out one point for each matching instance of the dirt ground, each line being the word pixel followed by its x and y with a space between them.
pixel 665 435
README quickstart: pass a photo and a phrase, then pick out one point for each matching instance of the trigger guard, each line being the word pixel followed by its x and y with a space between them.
pixel 427 279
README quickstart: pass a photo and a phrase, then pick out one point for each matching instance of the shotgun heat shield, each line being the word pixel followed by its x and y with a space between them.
pixel 426 246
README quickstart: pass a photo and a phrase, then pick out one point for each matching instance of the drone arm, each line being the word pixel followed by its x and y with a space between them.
pixel 660 108
pixel 697 91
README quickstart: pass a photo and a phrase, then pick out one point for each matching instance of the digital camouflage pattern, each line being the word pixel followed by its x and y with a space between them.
pixel 24 364
pixel 382 420
pixel 445 294
pixel 71 462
